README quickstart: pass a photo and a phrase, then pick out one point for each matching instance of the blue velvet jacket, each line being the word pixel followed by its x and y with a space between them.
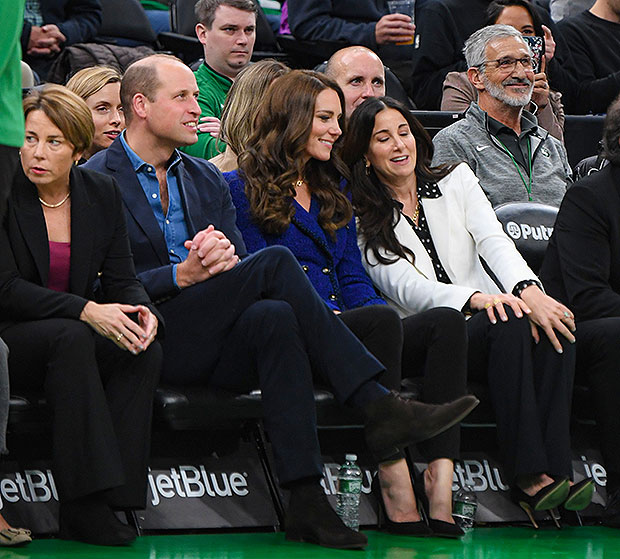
pixel 334 267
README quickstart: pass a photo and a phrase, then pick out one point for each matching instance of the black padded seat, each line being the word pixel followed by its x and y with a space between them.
pixel 28 411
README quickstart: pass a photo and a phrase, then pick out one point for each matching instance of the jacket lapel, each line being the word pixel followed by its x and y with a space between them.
pixel 190 200
pixel 135 200
pixel 307 223
pixel 81 233
pixel 406 236
pixel 32 224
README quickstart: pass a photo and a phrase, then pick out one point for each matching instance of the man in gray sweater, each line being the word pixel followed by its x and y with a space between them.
pixel 514 158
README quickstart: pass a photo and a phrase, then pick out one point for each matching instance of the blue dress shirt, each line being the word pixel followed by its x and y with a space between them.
pixel 172 225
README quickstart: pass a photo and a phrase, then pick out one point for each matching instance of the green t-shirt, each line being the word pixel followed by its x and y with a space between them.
pixel 212 88
pixel 11 113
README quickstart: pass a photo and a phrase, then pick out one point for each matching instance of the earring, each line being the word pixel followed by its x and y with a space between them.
pixel 367 166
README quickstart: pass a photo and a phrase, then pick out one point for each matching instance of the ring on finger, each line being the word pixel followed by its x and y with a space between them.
pixel 487 306
pixel 496 301
pixel 119 337
pixel 567 314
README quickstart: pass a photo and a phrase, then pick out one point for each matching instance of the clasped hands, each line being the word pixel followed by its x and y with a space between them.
pixel 111 321
pixel 44 40
pixel 210 253
pixel 541 310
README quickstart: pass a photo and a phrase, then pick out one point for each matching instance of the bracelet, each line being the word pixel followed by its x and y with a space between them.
pixel 523 284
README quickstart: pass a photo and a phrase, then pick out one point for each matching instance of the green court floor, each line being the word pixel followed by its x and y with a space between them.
pixel 483 543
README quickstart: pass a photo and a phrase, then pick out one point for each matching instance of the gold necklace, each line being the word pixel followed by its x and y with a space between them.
pixel 55 205
pixel 416 213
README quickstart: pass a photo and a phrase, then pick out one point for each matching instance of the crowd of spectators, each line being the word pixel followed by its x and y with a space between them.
pixel 291 227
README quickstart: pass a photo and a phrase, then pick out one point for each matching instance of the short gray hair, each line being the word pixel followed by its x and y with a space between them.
pixel 475 49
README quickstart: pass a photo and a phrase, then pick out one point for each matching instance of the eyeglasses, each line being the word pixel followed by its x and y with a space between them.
pixel 509 64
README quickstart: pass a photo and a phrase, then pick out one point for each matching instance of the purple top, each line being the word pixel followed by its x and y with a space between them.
pixel 60 258
pixel 284 27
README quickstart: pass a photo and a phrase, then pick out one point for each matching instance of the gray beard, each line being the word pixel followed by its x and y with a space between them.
pixel 499 93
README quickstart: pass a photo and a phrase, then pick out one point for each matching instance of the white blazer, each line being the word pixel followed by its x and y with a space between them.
pixel 464 228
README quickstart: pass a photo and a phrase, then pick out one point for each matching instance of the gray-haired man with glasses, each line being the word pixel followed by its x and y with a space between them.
pixel 513 157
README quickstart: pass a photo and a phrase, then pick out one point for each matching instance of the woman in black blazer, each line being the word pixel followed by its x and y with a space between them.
pixel 77 321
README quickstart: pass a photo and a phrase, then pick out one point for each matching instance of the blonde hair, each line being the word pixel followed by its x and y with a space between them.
pixel 66 110
pixel 89 81
pixel 244 99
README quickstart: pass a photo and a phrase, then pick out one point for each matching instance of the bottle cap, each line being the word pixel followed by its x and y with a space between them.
pixel 350 457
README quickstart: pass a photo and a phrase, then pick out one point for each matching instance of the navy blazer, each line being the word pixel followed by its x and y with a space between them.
pixel 100 253
pixel 334 267
pixel 582 263
pixel 206 201
pixel 78 20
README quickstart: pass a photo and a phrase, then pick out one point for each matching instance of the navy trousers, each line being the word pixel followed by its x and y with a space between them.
pixel 262 324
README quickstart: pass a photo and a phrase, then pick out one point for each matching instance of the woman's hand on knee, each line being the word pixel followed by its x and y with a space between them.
pixel 111 321
pixel 550 315
pixel 493 305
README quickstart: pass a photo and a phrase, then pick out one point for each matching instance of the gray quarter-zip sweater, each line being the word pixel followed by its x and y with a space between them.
pixel 469 140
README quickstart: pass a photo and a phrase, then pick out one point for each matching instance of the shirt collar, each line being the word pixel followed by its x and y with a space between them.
pixel 425 190
pixel 139 164
pixel 495 126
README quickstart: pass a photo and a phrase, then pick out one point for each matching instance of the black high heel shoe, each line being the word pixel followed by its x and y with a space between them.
pixel 580 495
pixel 419 528
pixel 439 528
pixel 547 498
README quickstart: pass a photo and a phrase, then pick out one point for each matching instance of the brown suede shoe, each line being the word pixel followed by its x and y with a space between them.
pixel 393 422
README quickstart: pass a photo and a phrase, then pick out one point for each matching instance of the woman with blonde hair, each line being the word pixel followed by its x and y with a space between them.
pixel 100 87
pixel 240 108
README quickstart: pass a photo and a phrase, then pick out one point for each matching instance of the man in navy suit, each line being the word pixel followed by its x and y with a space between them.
pixel 236 322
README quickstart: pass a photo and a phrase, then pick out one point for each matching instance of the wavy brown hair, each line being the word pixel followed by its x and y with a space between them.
pixel 273 158
pixel 372 200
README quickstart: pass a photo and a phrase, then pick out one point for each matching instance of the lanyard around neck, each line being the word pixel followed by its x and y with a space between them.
pixel 528 184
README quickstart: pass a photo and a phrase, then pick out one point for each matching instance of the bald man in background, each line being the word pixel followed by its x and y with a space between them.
pixel 360 74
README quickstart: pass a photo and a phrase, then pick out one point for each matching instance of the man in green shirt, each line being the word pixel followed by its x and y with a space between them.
pixel 227 31
pixel 11 114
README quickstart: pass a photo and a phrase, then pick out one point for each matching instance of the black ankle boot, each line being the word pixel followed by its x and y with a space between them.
pixel 91 520
pixel 310 518
pixel 393 423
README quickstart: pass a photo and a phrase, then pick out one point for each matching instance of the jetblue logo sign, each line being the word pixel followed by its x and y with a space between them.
pixel 525 231
pixel 33 486
pixel 190 482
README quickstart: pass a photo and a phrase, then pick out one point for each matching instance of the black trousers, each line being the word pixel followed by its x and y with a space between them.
pixel 262 324
pixel 431 345
pixel 531 390
pixel 101 398
pixel 598 365
pixel 9 160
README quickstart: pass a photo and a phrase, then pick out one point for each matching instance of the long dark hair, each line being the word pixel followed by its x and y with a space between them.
pixel 496 7
pixel 373 200
pixel 273 157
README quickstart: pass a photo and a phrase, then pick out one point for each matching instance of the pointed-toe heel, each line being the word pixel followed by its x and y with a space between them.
pixel 547 498
pixel 580 495
pixel 419 528
pixel 439 528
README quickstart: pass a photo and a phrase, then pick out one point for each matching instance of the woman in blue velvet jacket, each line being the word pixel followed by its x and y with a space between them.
pixel 287 192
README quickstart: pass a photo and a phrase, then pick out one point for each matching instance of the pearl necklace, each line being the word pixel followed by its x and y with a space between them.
pixel 55 205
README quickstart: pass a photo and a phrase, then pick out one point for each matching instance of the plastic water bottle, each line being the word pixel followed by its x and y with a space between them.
pixel 464 508
pixel 349 489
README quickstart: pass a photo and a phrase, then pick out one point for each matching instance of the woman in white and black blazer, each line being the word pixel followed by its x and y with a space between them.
pixel 422 232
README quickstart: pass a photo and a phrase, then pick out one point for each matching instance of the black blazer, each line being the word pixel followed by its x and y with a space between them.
pixel 582 262
pixel 99 250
